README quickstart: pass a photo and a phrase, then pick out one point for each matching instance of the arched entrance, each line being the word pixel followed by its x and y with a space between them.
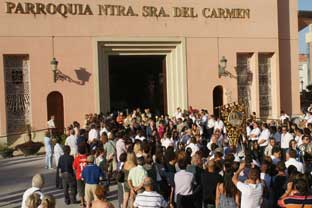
pixel 217 100
pixel 55 107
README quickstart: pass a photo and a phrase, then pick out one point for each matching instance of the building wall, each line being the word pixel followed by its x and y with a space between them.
pixel 207 40
pixel 288 47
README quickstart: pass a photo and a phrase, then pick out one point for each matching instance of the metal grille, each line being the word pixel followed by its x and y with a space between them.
pixel 243 85
pixel 265 97
pixel 16 69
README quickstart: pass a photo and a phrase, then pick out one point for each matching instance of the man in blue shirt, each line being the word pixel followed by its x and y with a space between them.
pixel 48 150
pixel 91 175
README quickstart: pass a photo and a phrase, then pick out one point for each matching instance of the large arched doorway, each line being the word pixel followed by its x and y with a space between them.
pixel 217 100
pixel 55 107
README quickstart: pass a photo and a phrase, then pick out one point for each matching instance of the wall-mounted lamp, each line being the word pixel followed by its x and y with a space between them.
pixel 222 67
pixel 54 64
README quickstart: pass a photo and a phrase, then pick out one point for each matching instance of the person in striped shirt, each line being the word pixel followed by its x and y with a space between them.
pixel 149 198
pixel 296 196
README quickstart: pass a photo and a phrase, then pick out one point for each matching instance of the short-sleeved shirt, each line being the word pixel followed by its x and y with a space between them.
pixel 285 139
pixel 297 201
pixel 71 141
pixel 79 163
pixel 297 164
pixel 265 135
pixel 251 194
pixel 256 132
pixel 183 181
pixel 29 192
pixel 149 199
pixel 66 164
pixel 93 134
pixel 120 148
pixel 137 175
pixel 110 148
pixel 91 174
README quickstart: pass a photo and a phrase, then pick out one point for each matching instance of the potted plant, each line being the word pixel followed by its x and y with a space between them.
pixel 30 147
pixel 6 151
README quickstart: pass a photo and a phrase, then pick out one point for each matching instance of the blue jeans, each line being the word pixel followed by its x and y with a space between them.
pixel 48 160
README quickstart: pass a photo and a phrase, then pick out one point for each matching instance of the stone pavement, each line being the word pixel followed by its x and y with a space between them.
pixel 15 178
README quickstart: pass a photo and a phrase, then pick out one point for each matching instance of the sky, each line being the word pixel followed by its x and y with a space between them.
pixel 304 5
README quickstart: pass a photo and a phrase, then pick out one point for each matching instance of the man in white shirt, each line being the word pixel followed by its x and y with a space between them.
pixel 120 147
pixel 51 124
pixel 292 161
pixel 255 132
pixel 285 139
pixel 178 114
pixel 48 150
pixel 219 124
pixel 193 146
pixel 183 181
pixel 105 129
pixel 268 149
pixel 93 134
pixel 251 190
pixel 283 117
pixel 204 117
pixel 264 136
pixel 299 136
pixel 264 139
pixel 210 126
pixel 167 140
pixel 37 184
pixel 71 141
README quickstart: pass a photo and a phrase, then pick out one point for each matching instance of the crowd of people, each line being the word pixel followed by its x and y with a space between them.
pixel 184 161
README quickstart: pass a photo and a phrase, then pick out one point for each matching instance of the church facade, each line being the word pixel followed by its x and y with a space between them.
pixel 56 57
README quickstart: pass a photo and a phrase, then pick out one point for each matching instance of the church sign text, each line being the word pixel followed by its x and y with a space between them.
pixel 72 9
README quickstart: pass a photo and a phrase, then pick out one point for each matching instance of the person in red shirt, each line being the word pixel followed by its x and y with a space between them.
pixel 79 163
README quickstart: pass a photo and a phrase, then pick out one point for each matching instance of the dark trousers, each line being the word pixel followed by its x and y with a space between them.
pixel 284 151
pixel 58 179
pixel 262 153
pixel 185 201
pixel 69 182
pixel 210 133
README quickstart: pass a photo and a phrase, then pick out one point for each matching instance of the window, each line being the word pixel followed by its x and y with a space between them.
pixel 16 68
pixel 243 79
pixel 265 97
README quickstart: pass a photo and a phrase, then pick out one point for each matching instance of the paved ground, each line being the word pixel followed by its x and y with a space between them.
pixel 15 178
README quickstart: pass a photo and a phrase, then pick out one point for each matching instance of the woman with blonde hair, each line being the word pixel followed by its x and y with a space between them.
pixel 33 201
pixel 48 201
pixel 129 164
pixel 137 149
